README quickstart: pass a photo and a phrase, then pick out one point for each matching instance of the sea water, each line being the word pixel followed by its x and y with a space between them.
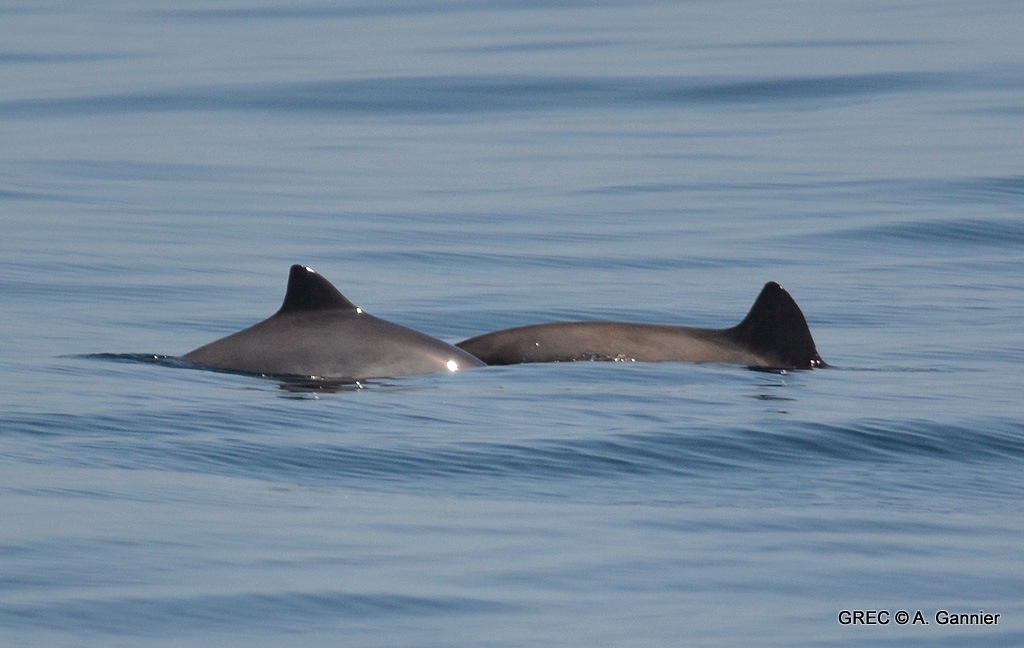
pixel 460 167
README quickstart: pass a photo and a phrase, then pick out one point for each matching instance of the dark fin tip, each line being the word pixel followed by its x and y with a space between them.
pixel 309 291
pixel 775 328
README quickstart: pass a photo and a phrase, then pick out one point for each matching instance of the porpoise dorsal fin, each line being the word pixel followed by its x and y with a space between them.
pixel 308 291
pixel 775 328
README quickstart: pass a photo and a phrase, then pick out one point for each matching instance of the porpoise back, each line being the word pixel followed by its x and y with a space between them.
pixel 774 335
pixel 318 332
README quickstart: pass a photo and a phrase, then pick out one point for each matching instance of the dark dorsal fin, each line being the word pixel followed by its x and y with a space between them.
pixel 308 291
pixel 775 328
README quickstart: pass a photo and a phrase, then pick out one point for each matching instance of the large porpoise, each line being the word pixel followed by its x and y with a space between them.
pixel 319 333
pixel 773 335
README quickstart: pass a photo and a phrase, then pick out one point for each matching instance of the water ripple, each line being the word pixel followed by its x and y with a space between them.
pixel 675 452
pixel 277 611
pixel 477 94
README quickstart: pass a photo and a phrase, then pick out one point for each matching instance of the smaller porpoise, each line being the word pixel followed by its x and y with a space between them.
pixel 773 335
pixel 319 333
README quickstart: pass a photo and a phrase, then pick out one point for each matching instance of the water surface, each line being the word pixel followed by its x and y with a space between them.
pixel 460 167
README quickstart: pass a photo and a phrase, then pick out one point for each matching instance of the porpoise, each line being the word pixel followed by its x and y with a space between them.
pixel 319 333
pixel 773 335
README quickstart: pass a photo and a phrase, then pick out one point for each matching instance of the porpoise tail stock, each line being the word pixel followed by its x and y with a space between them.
pixel 319 333
pixel 773 335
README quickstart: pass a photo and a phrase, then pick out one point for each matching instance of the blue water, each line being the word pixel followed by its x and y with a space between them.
pixel 463 166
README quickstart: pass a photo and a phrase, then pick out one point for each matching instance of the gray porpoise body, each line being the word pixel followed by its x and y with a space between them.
pixel 773 335
pixel 319 333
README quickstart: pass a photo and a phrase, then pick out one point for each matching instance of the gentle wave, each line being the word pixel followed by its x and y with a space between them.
pixel 961 231
pixel 171 443
pixel 456 95
pixel 333 10
pixel 981 190
pixel 277 611
pixel 670 453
